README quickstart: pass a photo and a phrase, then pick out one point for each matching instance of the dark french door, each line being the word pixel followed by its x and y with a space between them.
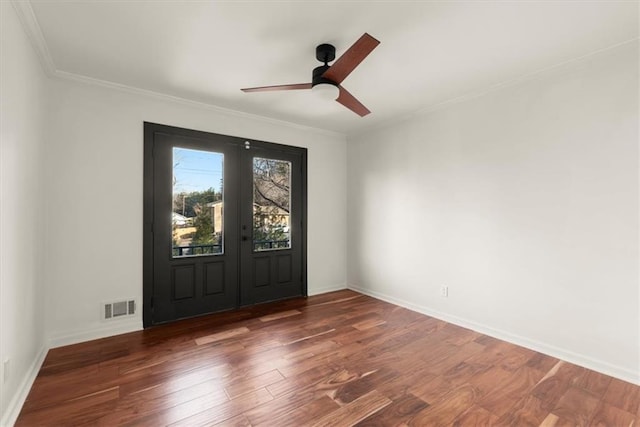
pixel 224 223
pixel 271 232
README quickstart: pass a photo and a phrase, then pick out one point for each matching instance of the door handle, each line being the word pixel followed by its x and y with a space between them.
pixel 245 238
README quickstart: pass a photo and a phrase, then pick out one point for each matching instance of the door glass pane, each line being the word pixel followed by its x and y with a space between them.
pixel 197 216
pixel 271 204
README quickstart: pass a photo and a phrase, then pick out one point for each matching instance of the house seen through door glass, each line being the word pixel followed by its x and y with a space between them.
pixel 271 204
pixel 197 217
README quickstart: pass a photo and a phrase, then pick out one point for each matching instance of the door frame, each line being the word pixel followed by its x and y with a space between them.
pixel 150 129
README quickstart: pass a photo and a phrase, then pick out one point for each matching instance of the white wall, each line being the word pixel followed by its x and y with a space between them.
pixel 22 237
pixel 523 201
pixel 94 173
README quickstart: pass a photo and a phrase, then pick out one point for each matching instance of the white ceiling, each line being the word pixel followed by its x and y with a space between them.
pixel 430 52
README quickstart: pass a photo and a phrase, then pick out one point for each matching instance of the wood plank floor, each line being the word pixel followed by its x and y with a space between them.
pixel 337 359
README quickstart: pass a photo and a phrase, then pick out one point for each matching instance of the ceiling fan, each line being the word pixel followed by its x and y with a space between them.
pixel 327 78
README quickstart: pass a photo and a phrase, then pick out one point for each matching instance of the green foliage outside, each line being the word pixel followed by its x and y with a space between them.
pixel 187 203
pixel 267 230
pixel 204 228
pixel 193 205
pixel 271 195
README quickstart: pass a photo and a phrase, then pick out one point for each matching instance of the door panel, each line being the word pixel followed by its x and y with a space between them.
pixel 271 221
pixel 195 268
pixel 224 223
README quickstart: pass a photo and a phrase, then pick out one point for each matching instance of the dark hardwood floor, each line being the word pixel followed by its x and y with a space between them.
pixel 336 359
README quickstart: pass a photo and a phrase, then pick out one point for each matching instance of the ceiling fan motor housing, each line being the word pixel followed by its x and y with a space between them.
pixel 324 53
pixel 317 76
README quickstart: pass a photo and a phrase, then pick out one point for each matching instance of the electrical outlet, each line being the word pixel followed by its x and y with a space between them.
pixel 444 291
pixel 6 365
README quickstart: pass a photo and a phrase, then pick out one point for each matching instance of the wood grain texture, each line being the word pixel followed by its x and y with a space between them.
pixel 607 415
pixel 355 411
pixel 281 315
pixel 297 86
pixel 221 336
pixel 345 98
pixel 576 406
pixel 335 359
pixel 398 412
pixel 477 416
pixel 352 57
pixel 623 395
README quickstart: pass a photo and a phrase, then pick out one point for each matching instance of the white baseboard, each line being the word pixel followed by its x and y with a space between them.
pixel 15 405
pixel 58 340
pixel 324 290
pixel 557 352
pixel 74 337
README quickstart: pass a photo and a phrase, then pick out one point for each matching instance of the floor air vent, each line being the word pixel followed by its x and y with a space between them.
pixel 114 310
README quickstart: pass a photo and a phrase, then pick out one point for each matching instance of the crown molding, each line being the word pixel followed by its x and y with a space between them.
pixel 78 78
pixel 534 75
pixel 28 19
pixel 31 26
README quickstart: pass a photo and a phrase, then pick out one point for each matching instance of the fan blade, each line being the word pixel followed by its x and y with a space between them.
pixel 349 101
pixel 351 59
pixel 279 87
